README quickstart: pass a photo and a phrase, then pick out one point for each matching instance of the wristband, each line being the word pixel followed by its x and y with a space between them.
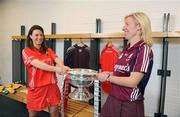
pixel 108 77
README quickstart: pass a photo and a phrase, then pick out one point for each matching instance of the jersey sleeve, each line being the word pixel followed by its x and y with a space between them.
pixel 143 59
pixel 28 56
pixel 52 54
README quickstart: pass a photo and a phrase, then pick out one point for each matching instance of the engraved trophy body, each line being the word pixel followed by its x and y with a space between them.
pixel 81 79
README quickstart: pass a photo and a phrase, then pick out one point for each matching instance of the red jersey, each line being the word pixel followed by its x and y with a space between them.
pixel 108 58
pixel 38 77
pixel 138 58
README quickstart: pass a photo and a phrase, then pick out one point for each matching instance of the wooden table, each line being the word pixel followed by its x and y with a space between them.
pixel 74 109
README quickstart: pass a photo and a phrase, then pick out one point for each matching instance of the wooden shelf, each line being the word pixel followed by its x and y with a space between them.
pixel 73 36
pixel 116 35
pixel 158 34
pixel 121 35
pixel 19 37
pixel 174 34
pixel 58 36
pixel 108 35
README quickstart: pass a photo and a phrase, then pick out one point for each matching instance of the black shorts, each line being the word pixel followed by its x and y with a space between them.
pixel 117 108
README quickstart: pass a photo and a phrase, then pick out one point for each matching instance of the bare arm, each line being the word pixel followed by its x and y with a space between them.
pixel 43 66
pixel 131 81
pixel 59 62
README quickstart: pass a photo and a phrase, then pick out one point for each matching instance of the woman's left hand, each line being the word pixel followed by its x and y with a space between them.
pixel 103 76
pixel 65 69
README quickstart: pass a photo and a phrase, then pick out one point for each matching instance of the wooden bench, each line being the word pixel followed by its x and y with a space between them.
pixel 74 109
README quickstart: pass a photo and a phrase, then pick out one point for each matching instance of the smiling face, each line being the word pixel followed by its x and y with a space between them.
pixel 37 38
pixel 131 28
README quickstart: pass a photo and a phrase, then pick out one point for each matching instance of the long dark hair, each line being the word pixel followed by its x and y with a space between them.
pixel 29 41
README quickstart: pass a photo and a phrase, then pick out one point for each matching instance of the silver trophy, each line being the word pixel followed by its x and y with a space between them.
pixel 81 79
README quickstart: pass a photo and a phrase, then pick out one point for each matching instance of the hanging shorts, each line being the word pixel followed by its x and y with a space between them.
pixel 43 97
pixel 117 108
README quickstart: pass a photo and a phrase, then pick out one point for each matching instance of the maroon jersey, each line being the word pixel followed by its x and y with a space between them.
pixel 138 58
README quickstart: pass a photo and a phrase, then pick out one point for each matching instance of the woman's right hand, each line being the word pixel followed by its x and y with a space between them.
pixel 65 69
pixel 103 76
pixel 62 69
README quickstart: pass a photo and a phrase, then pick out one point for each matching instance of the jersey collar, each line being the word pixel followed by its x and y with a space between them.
pixel 138 44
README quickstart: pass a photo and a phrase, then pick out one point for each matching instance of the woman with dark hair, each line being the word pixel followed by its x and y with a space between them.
pixel 40 62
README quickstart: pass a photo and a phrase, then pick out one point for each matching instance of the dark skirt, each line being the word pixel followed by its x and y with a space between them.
pixel 117 108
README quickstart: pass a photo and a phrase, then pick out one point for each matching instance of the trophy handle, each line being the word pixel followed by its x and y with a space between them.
pixel 90 83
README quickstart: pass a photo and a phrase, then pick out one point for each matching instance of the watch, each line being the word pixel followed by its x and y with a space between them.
pixel 108 77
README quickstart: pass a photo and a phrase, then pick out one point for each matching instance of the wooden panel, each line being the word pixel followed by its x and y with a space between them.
pixel 74 107
pixel 89 108
pixel 19 96
pixel 84 113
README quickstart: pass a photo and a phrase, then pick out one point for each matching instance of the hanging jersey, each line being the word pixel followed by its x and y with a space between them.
pixel 138 58
pixel 38 77
pixel 77 56
pixel 108 58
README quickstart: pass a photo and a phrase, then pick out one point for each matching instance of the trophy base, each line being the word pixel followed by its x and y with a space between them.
pixel 81 94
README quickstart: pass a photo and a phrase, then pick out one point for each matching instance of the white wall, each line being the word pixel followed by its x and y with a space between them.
pixel 79 17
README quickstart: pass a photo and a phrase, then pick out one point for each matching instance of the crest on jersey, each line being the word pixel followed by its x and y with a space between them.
pixel 129 57
pixel 79 50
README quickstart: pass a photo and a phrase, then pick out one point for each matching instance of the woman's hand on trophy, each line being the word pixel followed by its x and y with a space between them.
pixel 62 70
pixel 103 76
pixel 58 70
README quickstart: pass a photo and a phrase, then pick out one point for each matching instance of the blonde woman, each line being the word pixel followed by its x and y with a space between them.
pixel 132 70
